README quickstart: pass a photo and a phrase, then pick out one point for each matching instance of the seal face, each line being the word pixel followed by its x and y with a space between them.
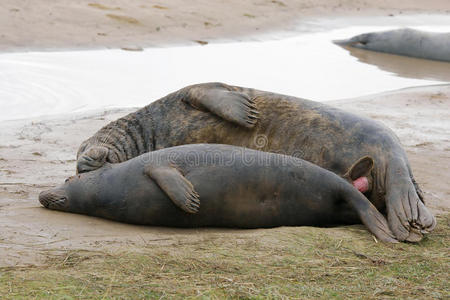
pixel 219 185
pixel 405 41
pixel 326 136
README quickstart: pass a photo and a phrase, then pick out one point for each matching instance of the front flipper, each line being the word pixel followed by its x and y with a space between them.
pixel 232 106
pixel 91 159
pixel 176 186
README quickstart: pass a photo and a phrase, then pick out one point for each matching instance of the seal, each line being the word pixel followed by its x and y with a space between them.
pixel 405 41
pixel 324 135
pixel 218 185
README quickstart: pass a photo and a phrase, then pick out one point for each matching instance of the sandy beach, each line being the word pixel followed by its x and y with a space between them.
pixel 87 24
pixel 39 153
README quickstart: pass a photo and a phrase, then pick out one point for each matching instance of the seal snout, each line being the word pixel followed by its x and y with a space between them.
pixel 53 199
pixel 342 42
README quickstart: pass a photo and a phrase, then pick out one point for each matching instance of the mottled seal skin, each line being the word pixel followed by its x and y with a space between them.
pixel 218 185
pixel 405 41
pixel 321 134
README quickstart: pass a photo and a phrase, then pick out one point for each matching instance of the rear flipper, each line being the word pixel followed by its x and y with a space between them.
pixel 369 215
pixel 408 217
pixel 232 106
pixel 176 186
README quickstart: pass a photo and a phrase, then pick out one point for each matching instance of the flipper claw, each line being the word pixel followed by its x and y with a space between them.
pixel 176 186
pixel 233 106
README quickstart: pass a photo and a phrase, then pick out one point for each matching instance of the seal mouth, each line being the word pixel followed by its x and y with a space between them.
pixel 53 199
pixel 352 42
pixel 342 42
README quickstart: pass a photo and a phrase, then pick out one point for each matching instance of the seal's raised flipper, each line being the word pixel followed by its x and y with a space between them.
pixel 176 186
pixel 361 167
pixel 232 106
pixel 358 172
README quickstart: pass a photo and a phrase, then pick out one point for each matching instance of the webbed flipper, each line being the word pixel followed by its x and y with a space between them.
pixel 176 186
pixel 233 106
pixel 369 215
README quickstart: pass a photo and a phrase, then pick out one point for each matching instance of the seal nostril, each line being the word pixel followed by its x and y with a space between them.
pixel 52 198
pixel 62 200
pixel 43 199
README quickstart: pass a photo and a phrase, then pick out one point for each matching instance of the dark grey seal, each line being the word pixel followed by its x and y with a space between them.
pixel 219 185
pixel 405 41
pixel 321 134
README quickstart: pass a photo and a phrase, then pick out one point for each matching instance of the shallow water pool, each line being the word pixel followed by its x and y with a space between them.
pixel 306 65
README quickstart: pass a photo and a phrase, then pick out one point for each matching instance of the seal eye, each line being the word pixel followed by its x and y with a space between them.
pixel 67 179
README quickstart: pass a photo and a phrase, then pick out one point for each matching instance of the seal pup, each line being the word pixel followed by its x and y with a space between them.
pixel 404 41
pixel 219 185
pixel 316 132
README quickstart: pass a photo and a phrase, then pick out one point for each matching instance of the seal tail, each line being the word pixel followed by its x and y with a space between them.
pixel 369 215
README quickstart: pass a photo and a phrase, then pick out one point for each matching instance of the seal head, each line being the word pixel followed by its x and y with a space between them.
pixel 73 195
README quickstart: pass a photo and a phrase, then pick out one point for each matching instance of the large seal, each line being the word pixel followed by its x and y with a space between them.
pixel 219 185
pixel 405 41
pixel 321 134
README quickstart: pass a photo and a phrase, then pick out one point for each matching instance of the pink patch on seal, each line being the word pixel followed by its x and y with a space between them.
pixel 362 184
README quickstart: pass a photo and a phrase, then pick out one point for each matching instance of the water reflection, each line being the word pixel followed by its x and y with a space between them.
pixel 404 66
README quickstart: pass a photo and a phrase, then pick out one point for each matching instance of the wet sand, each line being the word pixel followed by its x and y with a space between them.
pixel 87 24
pixel 40 153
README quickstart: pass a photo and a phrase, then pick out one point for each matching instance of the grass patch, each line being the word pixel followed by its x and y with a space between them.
pixel 288 262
